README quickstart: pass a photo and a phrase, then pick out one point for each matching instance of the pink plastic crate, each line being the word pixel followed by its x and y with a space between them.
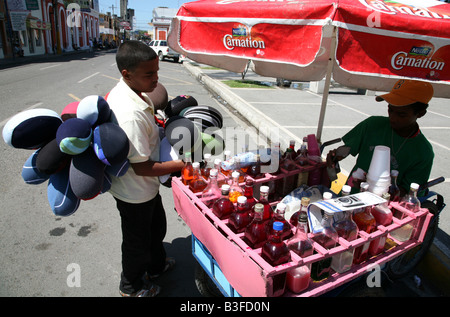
pixel 250 275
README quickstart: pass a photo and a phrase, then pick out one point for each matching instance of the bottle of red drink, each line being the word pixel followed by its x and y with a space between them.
pixel 197 183
pixel 223 207
pixel 241 218
pixel 297 279
pixel 248 193
pixel 212 192
pixel 278 215
pixel 276 252
pixel 254 171
pixel 187 172
pixel 288 183
pixel 205 170
pixel 346 228
pixel 383 216
pixel 226 157
pixel 303 210
pixel 255 233
pixel 264 200
pixel 327 238
pixel 367 223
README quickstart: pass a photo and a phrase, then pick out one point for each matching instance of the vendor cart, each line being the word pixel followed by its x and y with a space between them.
pixel 238 270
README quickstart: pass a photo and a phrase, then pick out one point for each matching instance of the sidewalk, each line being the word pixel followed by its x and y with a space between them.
pixel 436 265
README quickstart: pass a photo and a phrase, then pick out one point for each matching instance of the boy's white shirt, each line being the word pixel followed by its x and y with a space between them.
pixel 136 117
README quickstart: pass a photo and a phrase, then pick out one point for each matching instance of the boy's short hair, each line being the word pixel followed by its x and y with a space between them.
pixel 131 53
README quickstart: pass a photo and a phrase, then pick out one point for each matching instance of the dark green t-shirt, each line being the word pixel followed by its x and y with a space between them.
pixel 412 157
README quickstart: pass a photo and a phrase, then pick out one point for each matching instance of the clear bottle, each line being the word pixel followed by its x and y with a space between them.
pixel 226 158
pixel 383 216
pixel 411 203
pixel 223 207
pixel 255 235
pixel 302 160
pixel 221 178
pixel 327 238
pixel 235 188
pixel 304 203
pixel 187 172
pixel 278 215
pixel 276 252
pixel 212 192
pixel 346 228
pixel 197 183
pixel 394 190
pixel 241 218
pixel 297 279
pixel 207 166
pixel 264 200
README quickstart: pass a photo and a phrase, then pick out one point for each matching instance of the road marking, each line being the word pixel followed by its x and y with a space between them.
pixel 86 78
pixel 44 68
pixel 171 78
pixel 438 114
pixel 110 77
pixel 30 107
pixel 74 97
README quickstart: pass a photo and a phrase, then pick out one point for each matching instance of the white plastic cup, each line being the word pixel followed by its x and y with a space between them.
pixel 380 166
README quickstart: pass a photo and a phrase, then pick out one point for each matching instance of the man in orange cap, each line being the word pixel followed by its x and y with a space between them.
pixel 411 153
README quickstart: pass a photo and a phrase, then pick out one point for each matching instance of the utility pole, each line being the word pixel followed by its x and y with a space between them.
pixel 113 23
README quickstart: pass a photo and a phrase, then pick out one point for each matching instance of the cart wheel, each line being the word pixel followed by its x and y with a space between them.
pixel 204 284
pixel 402 265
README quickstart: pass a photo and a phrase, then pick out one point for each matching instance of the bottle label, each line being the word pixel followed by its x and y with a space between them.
pixel 337 205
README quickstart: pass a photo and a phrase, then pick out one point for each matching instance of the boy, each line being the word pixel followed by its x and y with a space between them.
pixel 411 153
pixel 137 192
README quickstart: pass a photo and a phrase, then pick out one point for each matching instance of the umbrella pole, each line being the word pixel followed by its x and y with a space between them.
pixel 327 86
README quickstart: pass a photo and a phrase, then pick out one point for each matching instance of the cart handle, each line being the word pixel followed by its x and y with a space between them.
pixel 329 143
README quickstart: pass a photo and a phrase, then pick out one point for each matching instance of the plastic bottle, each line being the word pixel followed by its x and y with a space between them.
pixel 264 200
pixel 235 189
pixel 304 203
pixel 197 183
pixel 255 235
pixel 411 203
pixel 276 252
pixel 248 193
pixel 212 192
pixel 241 218
pixel 346 228
pixel 278 215
pixel 223 207
pixel 187 172
pixel 383 216
pixel 297 279
pixel 327 238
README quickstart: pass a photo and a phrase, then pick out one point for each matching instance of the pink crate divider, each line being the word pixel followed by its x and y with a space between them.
pixel 192 209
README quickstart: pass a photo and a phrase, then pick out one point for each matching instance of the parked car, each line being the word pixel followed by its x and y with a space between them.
pixel 164 51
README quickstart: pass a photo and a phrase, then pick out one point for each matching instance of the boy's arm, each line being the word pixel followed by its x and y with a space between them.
pixel 155 168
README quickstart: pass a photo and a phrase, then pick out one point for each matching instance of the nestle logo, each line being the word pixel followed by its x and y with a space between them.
pixel 423 51
pixel 239 31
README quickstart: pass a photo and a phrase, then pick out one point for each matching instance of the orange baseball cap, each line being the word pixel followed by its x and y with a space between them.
pixel 406 92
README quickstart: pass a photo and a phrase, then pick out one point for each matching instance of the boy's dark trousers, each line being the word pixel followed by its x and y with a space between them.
pixel 143 230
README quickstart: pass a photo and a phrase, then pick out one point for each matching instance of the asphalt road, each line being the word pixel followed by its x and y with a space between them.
pixel 40 253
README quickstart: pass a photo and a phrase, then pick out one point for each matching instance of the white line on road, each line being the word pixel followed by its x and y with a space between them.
pixel 44 68
pixel 88 77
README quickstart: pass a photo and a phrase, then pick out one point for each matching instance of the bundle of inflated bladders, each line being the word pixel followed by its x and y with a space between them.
pixel 76 152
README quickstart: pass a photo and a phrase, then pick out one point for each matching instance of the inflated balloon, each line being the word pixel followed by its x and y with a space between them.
pixel 94 109
pixel 86 175
pixel 74 136
pixel 61 198
pixel 50 159
pixel 70 111
pixel 31 129
pixel 110 143
pixel 30 173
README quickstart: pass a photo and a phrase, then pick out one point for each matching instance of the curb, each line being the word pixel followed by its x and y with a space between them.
pixel 436 264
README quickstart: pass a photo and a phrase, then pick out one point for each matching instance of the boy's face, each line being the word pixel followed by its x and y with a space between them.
pixel 144 78
pixel 402 118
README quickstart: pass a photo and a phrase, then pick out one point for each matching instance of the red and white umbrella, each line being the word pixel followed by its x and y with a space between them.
pixel 364 44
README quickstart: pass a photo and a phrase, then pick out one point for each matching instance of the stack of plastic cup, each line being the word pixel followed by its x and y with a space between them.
pixel 379 174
